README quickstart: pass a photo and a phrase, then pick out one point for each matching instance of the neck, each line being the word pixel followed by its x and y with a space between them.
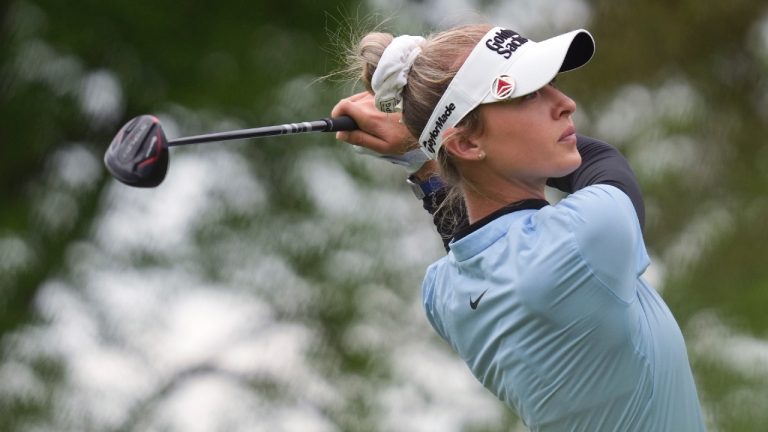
pixel 483 200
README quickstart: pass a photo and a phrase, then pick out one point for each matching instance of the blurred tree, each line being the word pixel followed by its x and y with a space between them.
pixel 712 49
pixel 227 57
pixel 696 74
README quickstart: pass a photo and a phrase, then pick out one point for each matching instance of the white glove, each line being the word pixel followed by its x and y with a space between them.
pixel 412 160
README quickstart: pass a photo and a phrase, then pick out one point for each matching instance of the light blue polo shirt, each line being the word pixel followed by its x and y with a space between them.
pixel 565 330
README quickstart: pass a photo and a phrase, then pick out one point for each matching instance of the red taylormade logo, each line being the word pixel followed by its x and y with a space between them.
pixel 503 86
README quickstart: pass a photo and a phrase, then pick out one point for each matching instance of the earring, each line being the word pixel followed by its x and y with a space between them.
pixel 481 156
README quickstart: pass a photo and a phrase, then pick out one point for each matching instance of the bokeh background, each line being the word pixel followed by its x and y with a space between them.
pixel 273 285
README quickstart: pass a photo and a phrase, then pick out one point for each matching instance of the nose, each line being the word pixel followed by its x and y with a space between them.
pixel 563 105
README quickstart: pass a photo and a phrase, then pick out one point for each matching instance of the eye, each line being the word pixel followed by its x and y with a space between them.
pixel 530 96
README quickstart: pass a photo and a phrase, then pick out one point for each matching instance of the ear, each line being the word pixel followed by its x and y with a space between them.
pixel 461 146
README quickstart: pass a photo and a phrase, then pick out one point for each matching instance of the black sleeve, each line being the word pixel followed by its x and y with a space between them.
pixel 601 163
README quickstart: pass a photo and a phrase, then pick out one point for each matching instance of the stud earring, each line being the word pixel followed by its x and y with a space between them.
pixel 481 156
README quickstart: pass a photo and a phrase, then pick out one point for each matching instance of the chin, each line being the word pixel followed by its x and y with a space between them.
pixel 569 164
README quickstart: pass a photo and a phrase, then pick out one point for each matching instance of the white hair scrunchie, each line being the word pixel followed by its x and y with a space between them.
pixel 391 73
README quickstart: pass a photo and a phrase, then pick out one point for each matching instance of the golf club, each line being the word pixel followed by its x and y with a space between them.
pixel 138 155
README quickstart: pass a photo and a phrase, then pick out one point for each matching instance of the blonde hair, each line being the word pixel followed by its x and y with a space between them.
pixel 442 54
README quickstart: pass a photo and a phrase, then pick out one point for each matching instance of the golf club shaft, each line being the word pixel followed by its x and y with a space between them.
pixel 343 123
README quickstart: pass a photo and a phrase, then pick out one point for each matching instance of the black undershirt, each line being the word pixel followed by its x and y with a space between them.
pixel 600 164
pixel 528 204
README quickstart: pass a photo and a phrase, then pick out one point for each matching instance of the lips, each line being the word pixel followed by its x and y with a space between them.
pixel 569 133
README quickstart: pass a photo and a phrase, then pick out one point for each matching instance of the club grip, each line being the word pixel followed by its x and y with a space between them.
pixel 342 123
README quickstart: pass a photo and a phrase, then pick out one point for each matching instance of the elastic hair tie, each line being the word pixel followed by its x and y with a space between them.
pixel 391 74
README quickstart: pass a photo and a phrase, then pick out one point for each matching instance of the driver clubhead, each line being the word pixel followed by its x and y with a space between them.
pixel 138 155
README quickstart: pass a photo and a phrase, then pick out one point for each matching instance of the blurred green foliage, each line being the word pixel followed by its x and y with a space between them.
pixel 229 58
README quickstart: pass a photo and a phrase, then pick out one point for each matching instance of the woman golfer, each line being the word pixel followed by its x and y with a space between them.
pixel 545 303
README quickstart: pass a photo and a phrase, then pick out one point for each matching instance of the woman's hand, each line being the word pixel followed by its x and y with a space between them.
pixel 379 132
pixel 383 135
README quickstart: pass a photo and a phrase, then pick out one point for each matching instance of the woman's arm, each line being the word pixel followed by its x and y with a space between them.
pixel 602 163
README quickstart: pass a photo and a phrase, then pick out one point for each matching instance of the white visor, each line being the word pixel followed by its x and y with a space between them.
pixel 503 65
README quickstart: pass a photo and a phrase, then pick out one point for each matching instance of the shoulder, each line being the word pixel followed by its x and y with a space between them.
pixel 598 210
pixel 605 229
